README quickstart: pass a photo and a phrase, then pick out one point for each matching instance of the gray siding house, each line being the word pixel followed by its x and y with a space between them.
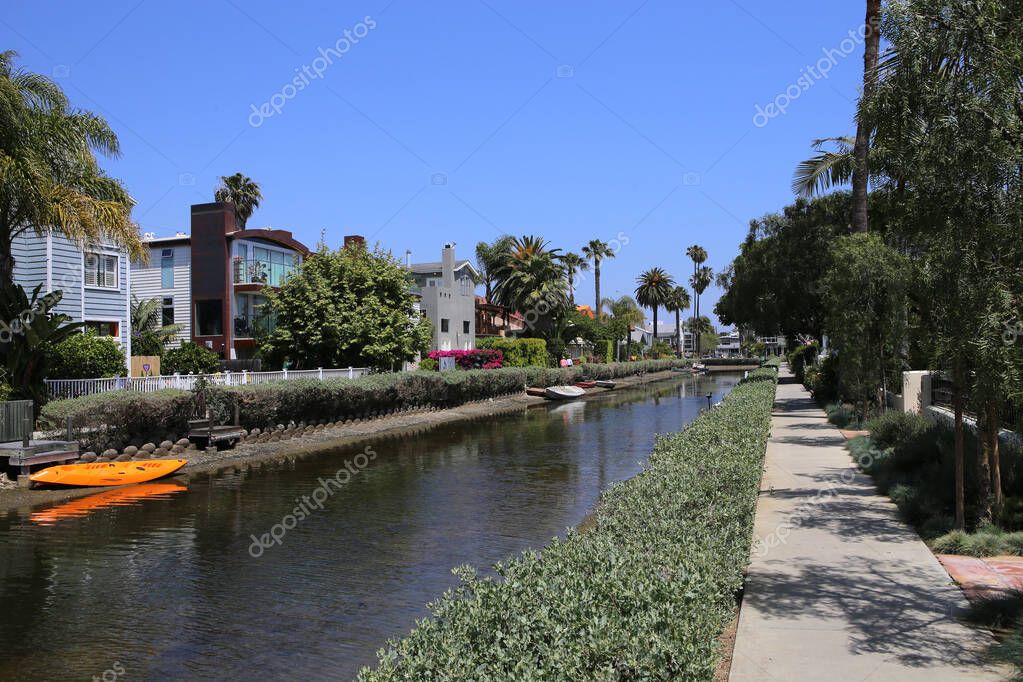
pixel 448 299
pixel 168 278
pixel 95 281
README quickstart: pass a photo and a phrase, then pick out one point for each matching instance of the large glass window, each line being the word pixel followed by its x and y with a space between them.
pixel 209 320
pixel 101 270
pixel 168 310
pixel 167 269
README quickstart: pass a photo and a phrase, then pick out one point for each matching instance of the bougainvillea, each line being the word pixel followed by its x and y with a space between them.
pixel 481 358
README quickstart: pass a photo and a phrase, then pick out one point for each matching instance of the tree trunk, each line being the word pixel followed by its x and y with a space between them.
pixel 678 331
pixel 596 285
pixel 994 411
pixel 960 484
pixel 653 337
pixel 861 151
pixel 984 420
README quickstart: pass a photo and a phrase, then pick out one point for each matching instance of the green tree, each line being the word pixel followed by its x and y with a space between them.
pixel 149 335
pixel 50 180
pixel 597 251
pixel 349 307
pixel 653 288
pixel 678 301
pixel 573 263
pixel 625 316
pixel 243 192
pixel 488 260
pixel 699 282
pixel 86 356
pixel 531 279
pixel 861 146
pixel 189 358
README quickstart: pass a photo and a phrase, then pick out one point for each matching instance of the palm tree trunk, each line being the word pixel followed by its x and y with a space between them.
pixel 861 173
pixel 678 331
pixel 596 285
pixel 653 336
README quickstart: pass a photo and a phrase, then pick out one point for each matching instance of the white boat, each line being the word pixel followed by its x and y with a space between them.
pixel 564 392
pixel 605 384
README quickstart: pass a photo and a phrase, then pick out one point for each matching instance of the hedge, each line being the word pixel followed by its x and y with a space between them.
pixel 644 594
pixel 118 418
pixel 86 356
pixel 517 352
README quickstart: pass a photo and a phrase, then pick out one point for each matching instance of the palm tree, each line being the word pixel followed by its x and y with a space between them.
pixel 652 290
pixel 573 263
pixel 531 279
pixel 861 148
pixel 698 255
pixel 50 180
pixel 597 251
pixel 678 300
pixel 627 312
pixel 243 192
pixel 700 280
pixel 488 258
pixel 148 332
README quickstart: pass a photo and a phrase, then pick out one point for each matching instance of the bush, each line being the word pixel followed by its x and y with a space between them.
pixel 605 350
pixel 119 418
pixel 86 356
pixel 801 357
pixel 660 350
pixel 518 352
pixel 190 358
pixel 840 415
pixel 481 358
pixel 428 365
pixel 731 362
pixel 644 594
pixel 822 380
pixel 894 428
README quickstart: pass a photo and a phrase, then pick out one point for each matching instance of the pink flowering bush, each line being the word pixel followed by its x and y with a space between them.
pixel 481 358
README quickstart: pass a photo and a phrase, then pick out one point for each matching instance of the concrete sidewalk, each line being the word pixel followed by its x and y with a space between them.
pixel 839 588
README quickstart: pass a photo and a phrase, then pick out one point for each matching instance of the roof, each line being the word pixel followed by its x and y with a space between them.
pixel 438 266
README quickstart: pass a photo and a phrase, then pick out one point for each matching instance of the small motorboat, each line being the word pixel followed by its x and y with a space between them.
pixel 537 392
pixel 699 368
pixel 108 473
pixel 586 384
pixel 603 383
pixel 564 392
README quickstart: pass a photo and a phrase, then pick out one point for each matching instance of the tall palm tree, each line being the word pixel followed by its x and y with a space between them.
pixel 530 278
pixel 698 255
pixel 678 300
pixel 861 148
pixel 50 180
pixel 700 280
pixel 243 192
pixel 652 290
pixel 627 311
pixel 573 263
pixel 597 251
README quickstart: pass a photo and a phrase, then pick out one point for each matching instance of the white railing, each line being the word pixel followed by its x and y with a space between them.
pixel 73 388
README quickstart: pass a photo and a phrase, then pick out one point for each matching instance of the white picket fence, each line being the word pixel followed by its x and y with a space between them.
pixel 73 388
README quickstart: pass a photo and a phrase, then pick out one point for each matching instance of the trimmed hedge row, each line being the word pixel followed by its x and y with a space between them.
pixel 517 352
pixel 644 594
pixel 116 419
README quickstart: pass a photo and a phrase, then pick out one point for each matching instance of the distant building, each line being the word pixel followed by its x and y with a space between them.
pixel 666 333
pixel 211 281
pixel 94 280
pixel 729 345
pixel 448 299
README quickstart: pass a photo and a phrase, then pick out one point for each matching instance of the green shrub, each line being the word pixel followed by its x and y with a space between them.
pixel 840 415
pixel 822 379
pixel 801 357
pixel 605 350
pixel 894 428
pixel 118 418
pixel 518 352
pixel 950 543
pixel 428 365
pixel 731 362
pixel 644 594
pixel 190 358
pixel 86 356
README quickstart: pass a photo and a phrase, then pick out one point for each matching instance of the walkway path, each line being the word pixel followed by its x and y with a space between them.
pixel 838 588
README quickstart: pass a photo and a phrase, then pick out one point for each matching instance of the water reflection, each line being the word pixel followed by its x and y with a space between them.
pixel 166 586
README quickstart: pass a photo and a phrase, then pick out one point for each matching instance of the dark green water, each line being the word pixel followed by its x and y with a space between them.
pixel 173 587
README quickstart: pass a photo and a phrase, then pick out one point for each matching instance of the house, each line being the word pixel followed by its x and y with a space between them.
pixel 95 280
pixel 448 299
pixel 729 345
pixel 211 281
pixel 496 320
pixel 666 333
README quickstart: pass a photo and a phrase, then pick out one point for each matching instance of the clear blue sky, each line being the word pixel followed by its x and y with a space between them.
pixel 461 120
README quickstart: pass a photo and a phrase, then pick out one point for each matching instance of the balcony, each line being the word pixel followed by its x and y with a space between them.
pixel 252 271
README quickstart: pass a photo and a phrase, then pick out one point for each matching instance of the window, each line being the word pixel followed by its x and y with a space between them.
pixel 168 310
pixel 465 326
pixel 444 324
pixel 209 318
pixel 101 270
pixel 167 269
pixel 104 328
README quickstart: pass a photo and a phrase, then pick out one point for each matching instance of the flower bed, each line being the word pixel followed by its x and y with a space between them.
pixel 481 358
pixel 644 594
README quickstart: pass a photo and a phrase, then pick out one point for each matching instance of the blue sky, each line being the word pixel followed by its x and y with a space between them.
pixel 459 121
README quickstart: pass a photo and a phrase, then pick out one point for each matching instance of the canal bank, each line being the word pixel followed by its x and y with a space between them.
pixel 316 443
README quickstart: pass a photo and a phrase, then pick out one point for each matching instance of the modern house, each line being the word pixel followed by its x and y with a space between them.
pixel 211 281
pixel 95 280
pixel 666 333
pixel 448 299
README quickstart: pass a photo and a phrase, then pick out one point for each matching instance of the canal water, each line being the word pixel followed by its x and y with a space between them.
pixel 168 582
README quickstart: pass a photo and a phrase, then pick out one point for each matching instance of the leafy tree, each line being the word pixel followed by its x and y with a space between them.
pixel 86 356
pixel 700 280
pixel 598 252
pixel 189 358
pixel 243 192
pixel 148 333
pixel 573 263
pixel 625 316
pixel 653 288
pixel 531 279
pixel 488 260
pixel 50 180
pixel 349 307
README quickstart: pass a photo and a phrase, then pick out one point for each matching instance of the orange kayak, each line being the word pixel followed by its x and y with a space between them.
pixel 108 473
pixel 111 498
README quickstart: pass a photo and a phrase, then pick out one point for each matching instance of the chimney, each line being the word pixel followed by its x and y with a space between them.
pixel 354 239
pixel 448 265
pixel 216 219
